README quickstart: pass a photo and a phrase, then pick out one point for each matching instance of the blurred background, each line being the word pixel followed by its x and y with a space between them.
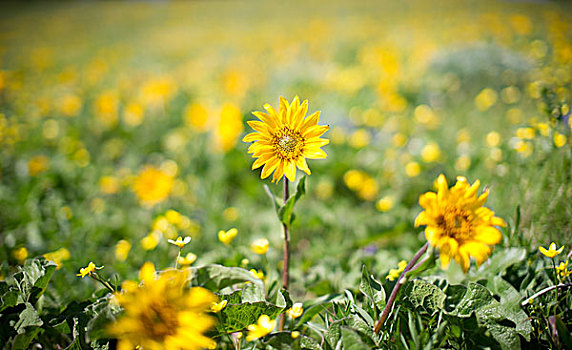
pixel 121 127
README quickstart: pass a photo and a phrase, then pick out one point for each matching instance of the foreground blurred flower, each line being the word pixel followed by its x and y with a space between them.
pixel 58 257
pixel 217 307
pixel 457 223
pixel 152 185
pixel 260 246
pixel 122 249
pixel 227 236
pixel 551 252
pixel 89 269
pixel 284 139
pixel 264 326
pixel 162 313
pixel 187 259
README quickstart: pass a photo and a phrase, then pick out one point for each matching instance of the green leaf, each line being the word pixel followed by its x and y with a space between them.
pixel 285 212
pixel 372 289
pixel 333 335
pixel 33 278
pixel 351 340
pixel 252 293
pixel 22 341
pixel 216 277
pixel 427 263
pixel 501 261
pixel 283 299
pixel 236 317
pixel 424 295
pixel 510 305
pixel 284 341
pixel 29 317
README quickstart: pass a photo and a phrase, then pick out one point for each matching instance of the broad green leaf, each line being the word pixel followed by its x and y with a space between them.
pixel 216 277
pixel 351 340
pixel 372 289
pixel 501 261
pixel 285 212
pixel 32 279
pixel 510 305
pixel 333 335
pixel 22 341
pixel 283 299
pixel 284 341
pixel 236 317
pixel 424 295
pixel 506 336
pixel 252 293
pixel 28 318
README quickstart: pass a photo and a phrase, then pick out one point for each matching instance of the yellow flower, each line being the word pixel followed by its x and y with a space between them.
pixel 295 311
pixel 122 249
pixel 20 254
pixel 150 241
pixel 431 153
pixel 187 259
pixel 395 273
pixel 525 133
pixel 384 204
pixel 284 139
pixel 295 334
pixel 84 271
pixel 58 256
pixel 493 139
pixel 457 223
pixel 486 99
pixel 109 184
pixel 258 274
pixel 412 169
pixel 228 236
pixel 551 252
pixel 260 246
pixel 264 326
pixel 152 185
pixel 173 217
pixel 562 269
pixel 180 242
pixel 163 313
pixel 559 139
pixel 217 307
pixel 38 165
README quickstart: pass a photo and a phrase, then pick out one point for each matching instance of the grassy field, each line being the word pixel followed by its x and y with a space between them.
pixel 121 127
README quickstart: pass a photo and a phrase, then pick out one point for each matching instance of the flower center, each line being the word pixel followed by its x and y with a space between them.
pixel 160 320
pixel 456 223
pixel 288 145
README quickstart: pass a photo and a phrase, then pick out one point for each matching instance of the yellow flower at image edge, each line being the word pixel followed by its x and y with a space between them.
pixel 457 223
pixel 162 313
pixel 264 326
pixel 551 252
pixel 283 140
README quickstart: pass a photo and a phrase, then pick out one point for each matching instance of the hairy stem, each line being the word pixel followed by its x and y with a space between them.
pixel 398 286
pixel 285 271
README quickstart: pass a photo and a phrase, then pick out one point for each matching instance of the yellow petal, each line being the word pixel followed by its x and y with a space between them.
pixel 303 165
pixel 314 153
pixel 290 170
pixel 269 167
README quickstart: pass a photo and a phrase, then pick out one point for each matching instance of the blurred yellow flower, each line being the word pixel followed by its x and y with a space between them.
pixel 227 236
pixel 562 269
pixel 551 252
pixel 58 257
pixel 457 223
pixel 462 163
pixel 354 179
pixel 109 184
pixel 152 185
pixel 399 140
pixel 510 95
pixel 70 105
pixel 122 249
pixel 258 274
pixel 486 99
pixel 88 270
pixel 229 127
pixel 263 327
pixel 37 165
pixel 385 203
pixel 133 114
pixel 217 307
pixel 295 334
pixel 156 92
pixel 395 273
pixel 431 152
pixel 295 311
pixel 150 241
pixel 493 139
pixel 360 138
pixel 260 246
pixel 197 117
pixel 106 107
pixel 163 313
pixel 412 169
pixel 525 133
pixel 559 139
pixel 230 214
pixel 173 217
pixel 283 140
pixel 523 148
pixel 20 254
pixel 187 259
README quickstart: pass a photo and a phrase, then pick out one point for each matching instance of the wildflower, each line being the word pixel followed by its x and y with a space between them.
pixel 58 256
pixel 260 246
pixel 109 184
pixel 284 139
pixel 384 204
pixel 258 274
pixel 562 269
pixel 295 334
pixel 457 223
pixel 431 153
pixel 122 249
pixel 163 313
pixel 395 273
pixel 525 133
pixel 559 139
pixel 133 114
pixel 180 242
pixel 551 252
pixel 20 254
pixel 493 139
pixel 152 185
pixel 360 138
pixel 187 259
pixel 264 326
pixel 228 236
pixel 295 311
pixel 217 307
pixel 37 165
pixel 486 99
pixel 412 169
pixel 462 163
pixel 173 217
pixel 84 271
pixel 230 214
pixel 150 241
pixel 229 127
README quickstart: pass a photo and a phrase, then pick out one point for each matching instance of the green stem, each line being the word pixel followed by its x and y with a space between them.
pixel 285 271
pixel 177 260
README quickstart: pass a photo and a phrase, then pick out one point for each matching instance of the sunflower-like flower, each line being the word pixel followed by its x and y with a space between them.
pixel 162 313
pixel 285 138
pixel 457 223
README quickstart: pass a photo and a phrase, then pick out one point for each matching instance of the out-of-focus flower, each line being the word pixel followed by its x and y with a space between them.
pixel 38 164
pixel 229 127
pixel 457 223
pixel 58 257
pixel 295 311
pixel 295 334
pixel 152 185
pixel 431 153
pixel 551 252
pixel 20 254
pixel 122 249
pixel 197 117
pixel 163 313
pixel 525 133
pixel 395 273
pixel 187 259
pixel 360 138
pixel 559 139
pixel 263 327
pixel 173 217
pixel 217 307
pixel 260 246
pixel 562 269
pixel 258 274
pixel 523 148
pixel 385 203
pixel 230 214
pixel 88 270
pixel 227 236
pixel 109 184
pixel 486 99
pixel 70 105
pixel 283 140
pixel 106 108
pixel 150 241
pixel 133 114
pixel 412 169
pixel 493 139
pixel 462 163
